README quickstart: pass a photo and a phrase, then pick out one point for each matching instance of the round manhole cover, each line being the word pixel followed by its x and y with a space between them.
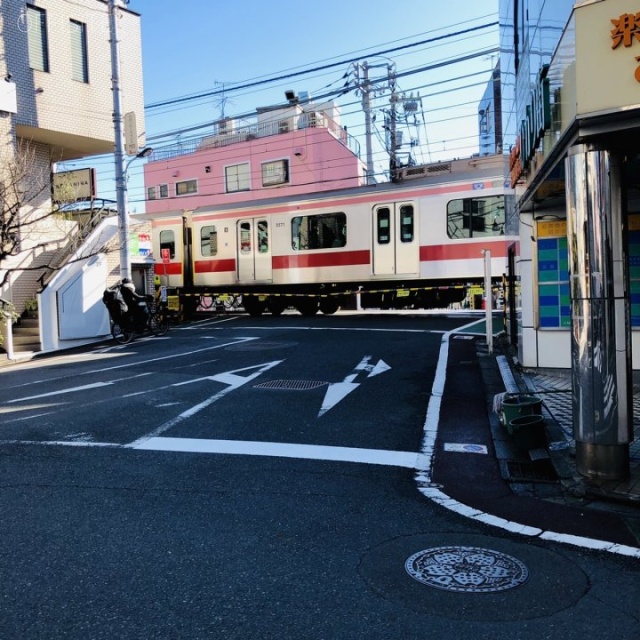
pixel 466 569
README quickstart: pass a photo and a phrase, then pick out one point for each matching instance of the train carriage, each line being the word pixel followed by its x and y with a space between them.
pixel 416 242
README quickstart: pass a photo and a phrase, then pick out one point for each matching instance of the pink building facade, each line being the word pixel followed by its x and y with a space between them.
pixel 289 150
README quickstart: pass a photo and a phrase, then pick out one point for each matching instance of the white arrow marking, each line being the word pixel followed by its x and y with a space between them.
pixel 229 378
pixel 340 390
pixel 381 367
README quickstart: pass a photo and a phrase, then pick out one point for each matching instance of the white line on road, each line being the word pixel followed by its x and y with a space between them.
pixel 407 459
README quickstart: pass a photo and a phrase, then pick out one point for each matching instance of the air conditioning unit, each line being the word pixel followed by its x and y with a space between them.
pixel 283 126
pixel 425 170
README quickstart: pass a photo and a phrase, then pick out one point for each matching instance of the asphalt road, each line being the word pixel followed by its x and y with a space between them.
pixel 247 478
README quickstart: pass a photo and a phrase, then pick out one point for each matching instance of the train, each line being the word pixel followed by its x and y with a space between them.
pixel 418 241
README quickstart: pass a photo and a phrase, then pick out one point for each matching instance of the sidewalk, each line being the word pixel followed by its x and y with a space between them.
pixel 480 473
pixel 554 388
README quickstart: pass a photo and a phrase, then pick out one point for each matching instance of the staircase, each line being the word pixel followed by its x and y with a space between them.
pixel 26 335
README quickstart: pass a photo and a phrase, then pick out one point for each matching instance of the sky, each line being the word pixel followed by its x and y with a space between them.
pixel 205 46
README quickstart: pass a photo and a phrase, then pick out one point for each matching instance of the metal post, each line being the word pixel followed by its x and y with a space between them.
pixel 121 182
pixel 601 337
pixel 488 297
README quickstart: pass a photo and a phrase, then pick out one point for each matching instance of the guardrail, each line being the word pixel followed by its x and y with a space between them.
pixel 280 126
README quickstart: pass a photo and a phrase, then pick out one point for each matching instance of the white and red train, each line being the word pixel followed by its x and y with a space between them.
pixel 418 242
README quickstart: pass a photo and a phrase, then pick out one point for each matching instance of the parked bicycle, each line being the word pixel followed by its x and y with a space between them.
pixel 149 316
pixel 156 323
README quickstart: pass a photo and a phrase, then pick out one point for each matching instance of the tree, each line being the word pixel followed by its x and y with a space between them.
pixel 36 235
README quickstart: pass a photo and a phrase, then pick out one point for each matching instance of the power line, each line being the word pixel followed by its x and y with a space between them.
pixel 320 68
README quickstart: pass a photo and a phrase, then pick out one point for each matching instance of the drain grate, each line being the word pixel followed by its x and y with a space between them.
pixel 466 569
pixel 538 471
pixel 291 385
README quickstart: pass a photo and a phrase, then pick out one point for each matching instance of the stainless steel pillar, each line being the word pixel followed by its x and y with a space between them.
pixel 601 335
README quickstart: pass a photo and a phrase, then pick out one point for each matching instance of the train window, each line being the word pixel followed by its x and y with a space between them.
pixel 383 225
pixel 186 187
pixel 263 236
pixel 168 241
pixel 208 241
pixel 236 177
pixel 324 231
pixel 245 237
pixel 476 217
pixel 406 223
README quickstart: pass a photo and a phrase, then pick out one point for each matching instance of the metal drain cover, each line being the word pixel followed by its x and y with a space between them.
pixel 466 569
pixel 291 385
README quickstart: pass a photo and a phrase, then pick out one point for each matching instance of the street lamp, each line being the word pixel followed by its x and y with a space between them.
pixel 123 212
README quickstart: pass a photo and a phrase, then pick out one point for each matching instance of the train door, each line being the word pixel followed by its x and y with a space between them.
pixel 396 248
pixel 254 250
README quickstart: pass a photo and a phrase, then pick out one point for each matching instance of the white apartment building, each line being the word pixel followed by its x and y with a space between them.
pixel 56 100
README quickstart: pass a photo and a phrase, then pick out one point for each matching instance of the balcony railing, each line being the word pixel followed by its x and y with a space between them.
pixel 230 135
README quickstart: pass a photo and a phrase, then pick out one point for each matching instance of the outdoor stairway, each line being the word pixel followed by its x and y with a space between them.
pixel 26 335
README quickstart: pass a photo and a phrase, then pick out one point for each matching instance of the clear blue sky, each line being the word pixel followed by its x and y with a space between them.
pixel 198 45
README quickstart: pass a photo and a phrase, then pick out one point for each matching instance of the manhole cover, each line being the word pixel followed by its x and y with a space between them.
pixel 291 385
pixel 466 569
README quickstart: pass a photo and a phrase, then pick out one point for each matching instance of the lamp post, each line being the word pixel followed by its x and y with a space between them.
pixel 120 166
pixel 123 214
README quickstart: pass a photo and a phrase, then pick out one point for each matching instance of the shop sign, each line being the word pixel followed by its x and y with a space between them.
pixel 625 30
pixel 532 129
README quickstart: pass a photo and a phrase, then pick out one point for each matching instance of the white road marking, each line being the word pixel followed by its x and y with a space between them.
pixel 229 378
pixel 406 459
pixel 338 391
pixel 86 387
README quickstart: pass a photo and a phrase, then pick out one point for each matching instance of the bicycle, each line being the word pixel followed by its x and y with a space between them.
pixel 156 322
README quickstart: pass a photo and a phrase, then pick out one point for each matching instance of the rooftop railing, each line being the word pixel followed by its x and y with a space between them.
pixel 230 134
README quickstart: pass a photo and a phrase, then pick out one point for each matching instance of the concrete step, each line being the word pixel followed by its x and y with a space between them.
pixel 26 335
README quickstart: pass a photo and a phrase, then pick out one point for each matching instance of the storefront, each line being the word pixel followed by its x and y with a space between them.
pixel 574 122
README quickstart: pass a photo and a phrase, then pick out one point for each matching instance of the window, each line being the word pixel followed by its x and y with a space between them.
pixel 263 236
pixel 36 25
pixel 476 217
pixel 236 178
pixel 323 231
pixel 245 238
pixel 186 187
pixel 79 59
pixel 406 223
pixel 161 191
pixel 168 241
pixel 275 173
pixel 208 241
pixel 383 222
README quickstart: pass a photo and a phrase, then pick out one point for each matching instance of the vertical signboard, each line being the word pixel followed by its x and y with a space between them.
pixel 634 268
pixel 554 306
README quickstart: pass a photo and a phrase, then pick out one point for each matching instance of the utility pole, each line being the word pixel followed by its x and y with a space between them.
pixel 393 142
pixel 365 87
pixel 121 179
